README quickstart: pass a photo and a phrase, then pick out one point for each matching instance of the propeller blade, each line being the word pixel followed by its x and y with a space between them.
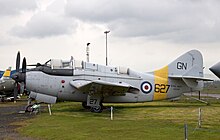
pixel 24 65
pixel 18 61
pixel 15 91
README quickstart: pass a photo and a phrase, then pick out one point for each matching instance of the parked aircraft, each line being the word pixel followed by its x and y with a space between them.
pixel 95 84
pixel 6 85
pixel 1 73
pixel 216 69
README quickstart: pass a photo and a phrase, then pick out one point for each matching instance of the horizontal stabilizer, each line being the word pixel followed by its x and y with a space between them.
pixel 196 83
pixel 190 77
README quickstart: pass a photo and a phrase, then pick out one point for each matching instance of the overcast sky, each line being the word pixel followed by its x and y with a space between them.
pixel 144 34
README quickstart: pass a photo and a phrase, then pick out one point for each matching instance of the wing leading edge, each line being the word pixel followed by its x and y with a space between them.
pixel 99 87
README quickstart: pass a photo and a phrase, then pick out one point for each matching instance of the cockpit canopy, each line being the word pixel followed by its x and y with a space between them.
pixel 61 64
pixel 56 64
pixel 67 67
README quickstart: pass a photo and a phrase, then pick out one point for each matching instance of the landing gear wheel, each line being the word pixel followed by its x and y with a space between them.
pixel 84 105
pixel 97 109
pixel 2 99
pixel 29 108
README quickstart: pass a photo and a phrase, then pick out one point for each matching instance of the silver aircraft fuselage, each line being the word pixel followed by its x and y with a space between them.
pixel 60 87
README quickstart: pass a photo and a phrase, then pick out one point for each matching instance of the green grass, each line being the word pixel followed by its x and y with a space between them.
pixel 211 91
pixel 153 120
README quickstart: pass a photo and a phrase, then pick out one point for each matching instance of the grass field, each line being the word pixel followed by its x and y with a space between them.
pixel 153 120
pixel 211 91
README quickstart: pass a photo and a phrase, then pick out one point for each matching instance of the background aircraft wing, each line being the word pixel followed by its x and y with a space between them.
pixel 104 88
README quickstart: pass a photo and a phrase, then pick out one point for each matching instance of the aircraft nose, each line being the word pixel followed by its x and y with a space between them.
pixel 18 77
pixel 216 69
pixel 14 76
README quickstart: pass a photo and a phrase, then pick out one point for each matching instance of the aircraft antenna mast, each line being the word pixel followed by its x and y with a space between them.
pixel 87 52
pixel 106 32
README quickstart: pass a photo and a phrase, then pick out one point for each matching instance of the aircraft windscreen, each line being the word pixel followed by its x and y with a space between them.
pixel 48 63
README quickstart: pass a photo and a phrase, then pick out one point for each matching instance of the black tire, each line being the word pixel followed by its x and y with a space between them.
pixel 84 105
pixel 2 99
pixel 97 109
pixel 28 108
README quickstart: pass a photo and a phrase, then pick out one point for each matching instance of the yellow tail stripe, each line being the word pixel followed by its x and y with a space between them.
pixel 161 79
pixel 7 73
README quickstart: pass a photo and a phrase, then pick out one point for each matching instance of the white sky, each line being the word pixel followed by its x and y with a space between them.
pixel 145 34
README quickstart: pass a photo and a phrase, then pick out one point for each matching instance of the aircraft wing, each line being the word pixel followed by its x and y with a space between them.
pixel 103 87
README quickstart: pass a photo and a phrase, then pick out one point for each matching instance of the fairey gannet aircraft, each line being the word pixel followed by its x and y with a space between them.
pixel 94 84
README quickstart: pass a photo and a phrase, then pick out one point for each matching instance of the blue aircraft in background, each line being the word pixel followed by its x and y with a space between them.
pixel 2 72
pixel 8 85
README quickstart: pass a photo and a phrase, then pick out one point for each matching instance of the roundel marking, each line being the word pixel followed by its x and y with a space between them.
pixel 146 87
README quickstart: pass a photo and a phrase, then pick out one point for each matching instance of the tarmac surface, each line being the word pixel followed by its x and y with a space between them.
pixel 203 95
pixel 8 116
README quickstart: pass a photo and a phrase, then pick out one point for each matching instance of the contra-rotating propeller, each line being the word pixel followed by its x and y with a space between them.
pixel 19 77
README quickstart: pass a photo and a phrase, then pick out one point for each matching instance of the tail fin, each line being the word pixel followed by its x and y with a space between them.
pixel 189 64
pixel 7 73
pixel 188 67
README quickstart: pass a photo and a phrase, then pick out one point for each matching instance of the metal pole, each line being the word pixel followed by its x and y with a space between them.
pixel 200 118
pixel 111 113
pixel 49 109
pixel 186 131
pixel 106 53
pixel 87 52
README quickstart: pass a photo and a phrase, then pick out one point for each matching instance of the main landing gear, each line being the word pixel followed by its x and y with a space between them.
pixel 96 109
pixel 84 105
pixel 32 107
pixel 93 103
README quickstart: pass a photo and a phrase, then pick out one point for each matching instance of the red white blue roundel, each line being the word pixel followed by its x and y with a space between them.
pixel 146 87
